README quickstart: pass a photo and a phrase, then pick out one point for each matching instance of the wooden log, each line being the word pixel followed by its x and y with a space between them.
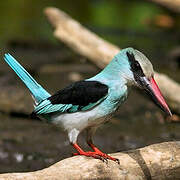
pixel 173 5
pixel 154 162
pixel 81 40
pixel 100 52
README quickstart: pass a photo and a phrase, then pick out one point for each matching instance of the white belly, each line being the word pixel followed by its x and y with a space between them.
pixel 79 120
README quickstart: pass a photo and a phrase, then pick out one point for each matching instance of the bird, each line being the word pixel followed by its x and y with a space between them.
pixel 87 104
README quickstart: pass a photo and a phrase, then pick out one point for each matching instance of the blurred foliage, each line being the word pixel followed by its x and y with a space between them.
pixel 123 14
pixel 124 22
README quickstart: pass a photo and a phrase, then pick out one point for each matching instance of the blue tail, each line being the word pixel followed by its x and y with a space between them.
pixel 37 91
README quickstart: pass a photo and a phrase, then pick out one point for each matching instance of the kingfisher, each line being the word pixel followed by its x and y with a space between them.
pixel 87 104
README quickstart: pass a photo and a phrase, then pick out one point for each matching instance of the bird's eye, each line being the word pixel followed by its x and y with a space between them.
pixel 137 64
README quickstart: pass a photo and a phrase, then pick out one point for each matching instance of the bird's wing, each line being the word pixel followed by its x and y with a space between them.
pixel 79 96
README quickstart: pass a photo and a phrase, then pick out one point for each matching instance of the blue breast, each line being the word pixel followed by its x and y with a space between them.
pixel 116 96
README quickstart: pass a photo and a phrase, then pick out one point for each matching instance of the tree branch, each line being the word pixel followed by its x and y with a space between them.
pixel 100 51
pixel 169 4
pixel 158 161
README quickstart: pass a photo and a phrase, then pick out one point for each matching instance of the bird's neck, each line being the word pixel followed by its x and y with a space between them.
pixel 114 73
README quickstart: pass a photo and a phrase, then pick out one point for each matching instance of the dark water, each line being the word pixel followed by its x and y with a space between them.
pixel 27 145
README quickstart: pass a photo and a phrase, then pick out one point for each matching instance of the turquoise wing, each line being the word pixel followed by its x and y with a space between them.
pixel 46 107
pixel 80 96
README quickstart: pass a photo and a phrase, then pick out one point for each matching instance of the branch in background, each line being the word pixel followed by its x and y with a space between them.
pixel 173 5
pixel 158 161
pixel 100 51
pixel 80 39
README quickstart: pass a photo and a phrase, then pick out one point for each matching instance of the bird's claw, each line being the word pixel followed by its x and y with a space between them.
pixel 106 157
pixel 113 159
pixel 117 160
pixel 102 156
pixel 104 160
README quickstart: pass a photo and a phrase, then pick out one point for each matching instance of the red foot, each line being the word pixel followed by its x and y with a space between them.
pixel 97 154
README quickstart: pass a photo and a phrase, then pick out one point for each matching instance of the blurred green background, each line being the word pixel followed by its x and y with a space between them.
pixel 26 144
pixel 137 22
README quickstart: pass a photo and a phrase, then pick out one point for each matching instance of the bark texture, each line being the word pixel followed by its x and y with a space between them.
pixel 154 162
pixel 100 51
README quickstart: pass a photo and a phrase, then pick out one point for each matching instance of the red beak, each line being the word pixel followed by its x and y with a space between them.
pixel 152 89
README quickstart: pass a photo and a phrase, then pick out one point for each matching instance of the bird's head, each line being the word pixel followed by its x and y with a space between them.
pixel 138 70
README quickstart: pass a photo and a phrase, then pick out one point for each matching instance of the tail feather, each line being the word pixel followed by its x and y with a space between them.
pixel 37 91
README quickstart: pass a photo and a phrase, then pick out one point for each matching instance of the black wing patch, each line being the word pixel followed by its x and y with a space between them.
pixel 80 93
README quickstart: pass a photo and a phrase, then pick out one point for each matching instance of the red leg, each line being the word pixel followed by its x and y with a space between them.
pixel 97 154
pixel 88 154
pixel 104 155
